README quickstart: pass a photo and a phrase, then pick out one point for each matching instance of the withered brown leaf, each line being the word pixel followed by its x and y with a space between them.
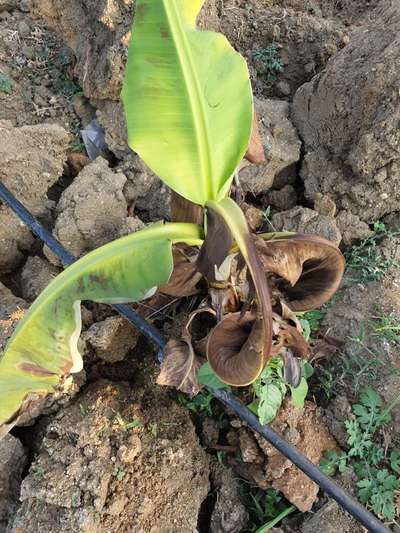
pixel 311 267
pixel 183 210
pixel 180 367
pixel 235 349
pixel 216 246
pixel 185 278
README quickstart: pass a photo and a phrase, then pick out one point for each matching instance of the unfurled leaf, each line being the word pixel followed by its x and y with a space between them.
pixel 311 267
pixel 43 347
pixel 180 367
pixel 207 376
pixel 187 98
pixel 235 349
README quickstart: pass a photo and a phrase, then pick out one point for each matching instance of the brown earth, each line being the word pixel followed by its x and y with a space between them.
pixel 332 169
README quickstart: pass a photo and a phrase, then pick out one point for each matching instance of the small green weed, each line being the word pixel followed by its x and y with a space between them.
pixel 153 428
pixel 37 471
pixel 272 61
pixel 378 481
pixel 119 474
pixel 266 508
pixel 6 84
pixel 199 404
pixel 271 388
pixel 311 321
pixel 365 262
pixel 385 327
pixel 125 425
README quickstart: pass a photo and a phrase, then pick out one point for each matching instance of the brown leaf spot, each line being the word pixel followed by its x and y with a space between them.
pixel 35 370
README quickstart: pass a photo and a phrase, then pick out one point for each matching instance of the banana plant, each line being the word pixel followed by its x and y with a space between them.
pixel 189 114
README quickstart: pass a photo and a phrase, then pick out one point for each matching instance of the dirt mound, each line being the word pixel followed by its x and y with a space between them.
pixel 92 210
pixel 303 428
pixel 35 71
pixel 348 118
pixel 116 460
pixel 12 462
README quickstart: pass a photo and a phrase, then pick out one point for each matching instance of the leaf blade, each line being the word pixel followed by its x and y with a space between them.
pixel 44 345
pixel 186 88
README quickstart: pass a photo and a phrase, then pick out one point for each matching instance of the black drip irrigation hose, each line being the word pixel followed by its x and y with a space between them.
pixel 348 503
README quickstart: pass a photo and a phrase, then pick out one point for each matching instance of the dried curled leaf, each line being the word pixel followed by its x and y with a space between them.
pixel 180 367
pixel 216 246
pixel 235 349
pixel 311 266
pixel 185 278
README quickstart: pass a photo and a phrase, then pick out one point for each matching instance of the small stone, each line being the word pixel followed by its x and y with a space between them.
pixel 23 29
pixel 25 6
pixel 284 88
pixel 127 454
pixel 229 514
pixel 36 275
pixel 281 146
pixel 352 228
pixel 324 205
pixel 304 220
pixel 111 339
pixel 254 216
pixel 284 199
pixel 249 448
pixel 210 431
pixel 83 108
pixel 12 463
pixel 28 52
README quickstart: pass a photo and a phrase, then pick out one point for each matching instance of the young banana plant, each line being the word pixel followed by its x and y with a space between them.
pixel 189 112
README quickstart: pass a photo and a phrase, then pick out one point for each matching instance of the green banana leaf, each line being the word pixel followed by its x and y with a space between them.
pixel 187 98
pixel 43 347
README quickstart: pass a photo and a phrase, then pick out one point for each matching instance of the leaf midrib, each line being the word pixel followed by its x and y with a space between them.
pixel 193 89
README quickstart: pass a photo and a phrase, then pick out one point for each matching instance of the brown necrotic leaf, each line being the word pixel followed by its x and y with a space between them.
pixel 180 367
pixel 311 267
pixel 216 247
pixel 183 210
pixel 235 349
pixel 290 345
pixel 185 279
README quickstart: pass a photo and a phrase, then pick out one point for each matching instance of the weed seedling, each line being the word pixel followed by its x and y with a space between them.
pixel 365 262
pixel 272 62
pixel 6 84
pixel 266 507
pixel 378 482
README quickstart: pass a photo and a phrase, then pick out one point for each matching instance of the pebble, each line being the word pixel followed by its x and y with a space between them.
pixel 284 88
pixel 23 29
pixel 28 52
